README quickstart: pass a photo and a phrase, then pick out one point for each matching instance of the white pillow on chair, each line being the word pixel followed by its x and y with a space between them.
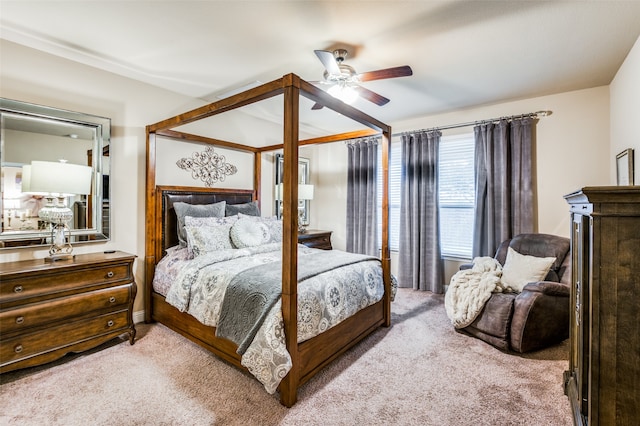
pixel 520 270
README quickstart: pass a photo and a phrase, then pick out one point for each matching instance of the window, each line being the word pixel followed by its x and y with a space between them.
pixel 457 195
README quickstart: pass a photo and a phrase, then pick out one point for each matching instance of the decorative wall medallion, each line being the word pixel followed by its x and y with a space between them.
pixel 208 166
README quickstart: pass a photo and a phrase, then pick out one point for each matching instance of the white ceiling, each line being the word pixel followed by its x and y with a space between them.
pixel 463 53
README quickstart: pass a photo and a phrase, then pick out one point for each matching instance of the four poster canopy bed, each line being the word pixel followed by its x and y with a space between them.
pixel 175 297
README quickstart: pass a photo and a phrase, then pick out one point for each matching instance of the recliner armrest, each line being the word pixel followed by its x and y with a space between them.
pixel 549 288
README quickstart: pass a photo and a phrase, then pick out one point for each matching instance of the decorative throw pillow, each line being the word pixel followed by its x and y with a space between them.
pixel 519 269
pixel 272 222
pixel 249 233
pixel 195 210
pixel 207 221
pixel 204 239
pixel 250 209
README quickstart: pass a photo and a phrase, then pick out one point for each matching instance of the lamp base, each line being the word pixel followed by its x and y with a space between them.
pixel 60 246
pixel 302 224
pixel 59 257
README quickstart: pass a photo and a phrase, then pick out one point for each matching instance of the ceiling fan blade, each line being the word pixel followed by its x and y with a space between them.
pixel 329 61
pixel 371 96
pixel 403 71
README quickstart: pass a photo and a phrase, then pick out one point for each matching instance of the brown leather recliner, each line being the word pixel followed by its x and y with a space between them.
pixel 538 316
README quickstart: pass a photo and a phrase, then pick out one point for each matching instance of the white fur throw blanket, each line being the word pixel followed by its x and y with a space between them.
pixel 470 289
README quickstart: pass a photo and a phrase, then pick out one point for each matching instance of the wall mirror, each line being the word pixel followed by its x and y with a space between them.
pixel 32 132
pixel 303 179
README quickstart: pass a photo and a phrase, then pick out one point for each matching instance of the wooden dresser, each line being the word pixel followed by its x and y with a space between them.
pixel 50 309
pixel 315 238
pixel 603 380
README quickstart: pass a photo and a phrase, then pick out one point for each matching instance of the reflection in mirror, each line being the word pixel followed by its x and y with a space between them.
pixel 36 133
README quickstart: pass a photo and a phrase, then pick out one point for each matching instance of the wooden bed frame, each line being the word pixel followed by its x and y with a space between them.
pixel 312 355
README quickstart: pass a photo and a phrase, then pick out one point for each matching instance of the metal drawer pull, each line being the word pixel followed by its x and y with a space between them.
pixel 110 274
pixel 110 323
pixel 19 320
pixel 17 289
pixel 112 299
pixel 17 348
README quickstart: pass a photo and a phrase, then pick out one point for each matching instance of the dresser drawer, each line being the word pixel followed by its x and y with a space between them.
pixel 30 286
pixel 31 344
pixel 316 239
pixel 26 316
pixel 320 242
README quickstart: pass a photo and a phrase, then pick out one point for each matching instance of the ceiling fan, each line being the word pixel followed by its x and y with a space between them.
pixel 345 82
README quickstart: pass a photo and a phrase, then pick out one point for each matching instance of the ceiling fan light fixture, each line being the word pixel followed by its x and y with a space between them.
pixel 345 82
pixel 344 92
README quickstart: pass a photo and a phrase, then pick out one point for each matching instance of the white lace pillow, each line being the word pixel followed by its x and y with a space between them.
pixel 249 233
pixel 519 269
pixel 273 224
pixel 204 239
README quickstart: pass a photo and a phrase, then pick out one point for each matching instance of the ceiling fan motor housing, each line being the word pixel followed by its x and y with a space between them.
pixel 347 73
pixel 340 54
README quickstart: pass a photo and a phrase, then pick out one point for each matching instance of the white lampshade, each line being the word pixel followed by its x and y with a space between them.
pixel 26 181
pixel 60 178
pixel 26 178
pixel 305 192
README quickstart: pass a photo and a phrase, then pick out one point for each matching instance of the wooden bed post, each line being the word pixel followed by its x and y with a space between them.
pixel 150 225
pixel 289 385
pixel 385 252
pixel 257 178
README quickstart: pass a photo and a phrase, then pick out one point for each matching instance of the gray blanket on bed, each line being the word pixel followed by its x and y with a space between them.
pixel 252 293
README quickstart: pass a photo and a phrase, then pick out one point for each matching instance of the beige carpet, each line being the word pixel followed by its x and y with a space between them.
pixel 417 372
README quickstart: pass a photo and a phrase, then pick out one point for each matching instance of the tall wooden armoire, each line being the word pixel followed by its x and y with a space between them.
pixel 603 380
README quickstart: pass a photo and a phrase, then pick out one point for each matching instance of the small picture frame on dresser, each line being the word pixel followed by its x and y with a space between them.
pixel 624 167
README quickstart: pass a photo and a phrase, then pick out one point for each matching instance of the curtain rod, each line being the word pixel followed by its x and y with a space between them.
pixel 536 114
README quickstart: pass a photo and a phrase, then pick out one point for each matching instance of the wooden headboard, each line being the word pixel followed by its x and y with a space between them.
pixel 167 196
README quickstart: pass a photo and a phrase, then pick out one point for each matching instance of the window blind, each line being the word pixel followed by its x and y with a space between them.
pixel 456 195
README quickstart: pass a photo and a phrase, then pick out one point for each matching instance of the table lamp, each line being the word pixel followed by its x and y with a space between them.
pixel 58 180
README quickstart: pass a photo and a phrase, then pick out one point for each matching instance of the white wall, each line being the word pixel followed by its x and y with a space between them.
pixel 170 151
pixel 625 111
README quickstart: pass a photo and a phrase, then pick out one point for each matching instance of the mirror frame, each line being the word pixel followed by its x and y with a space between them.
pixel 303 178
pixel 102 128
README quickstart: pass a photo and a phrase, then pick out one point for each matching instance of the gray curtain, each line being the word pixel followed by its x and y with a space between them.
pixel 420 263
pixel 362 175
pixel 504 183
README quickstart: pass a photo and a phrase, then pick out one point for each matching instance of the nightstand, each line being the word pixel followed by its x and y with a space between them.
pixel 316 238
pixel 50 309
